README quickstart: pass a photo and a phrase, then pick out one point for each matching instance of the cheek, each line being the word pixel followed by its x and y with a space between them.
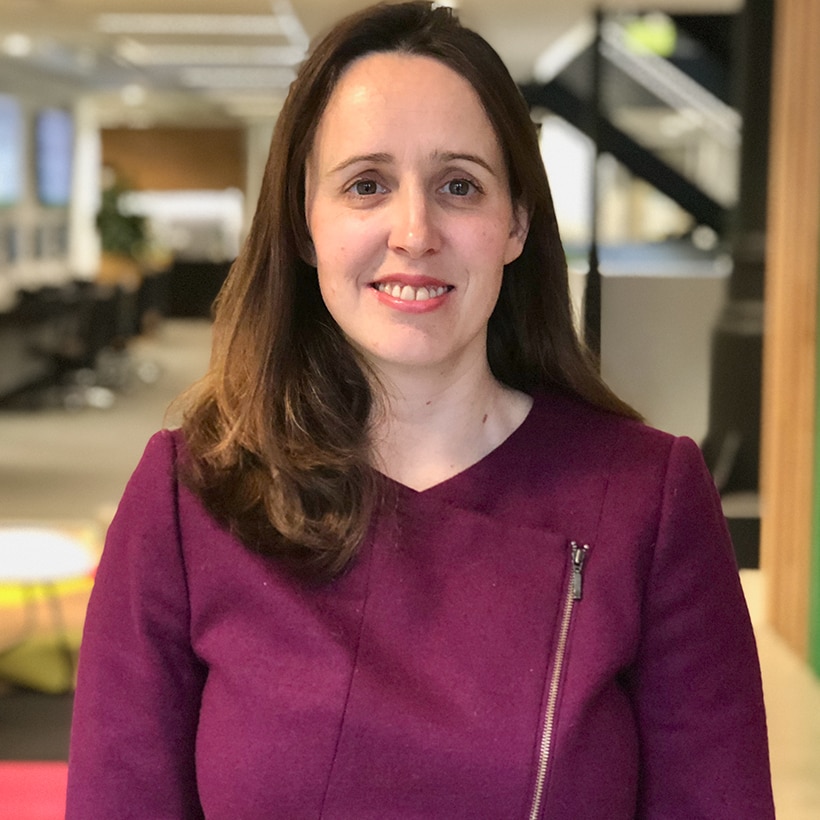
pixel 497 249
pixel 327 285
pixel 333 268
pixel 331 241
pixel 337 280
pixel 322 223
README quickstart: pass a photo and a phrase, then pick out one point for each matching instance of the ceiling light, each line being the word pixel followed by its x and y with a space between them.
pixel 255 25
pixel 142 54
pixel 17 45
pixel 133 95
pixel 290 24
pixel 133 51
pixel 238 78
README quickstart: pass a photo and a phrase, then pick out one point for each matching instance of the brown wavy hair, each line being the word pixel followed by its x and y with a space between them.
pixel 277 431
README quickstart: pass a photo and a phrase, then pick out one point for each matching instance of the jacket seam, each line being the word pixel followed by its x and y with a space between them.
pixel 353 667
pixel 662 507
pixel 174 480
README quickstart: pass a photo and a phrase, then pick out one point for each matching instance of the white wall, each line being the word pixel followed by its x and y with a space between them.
pixel 656 337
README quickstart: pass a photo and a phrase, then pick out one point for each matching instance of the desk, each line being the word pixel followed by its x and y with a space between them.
pixel 30 334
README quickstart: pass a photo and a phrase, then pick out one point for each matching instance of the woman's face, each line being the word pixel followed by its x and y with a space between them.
pixel 409 210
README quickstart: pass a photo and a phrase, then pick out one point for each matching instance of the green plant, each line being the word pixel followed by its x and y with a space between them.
pixel 121 233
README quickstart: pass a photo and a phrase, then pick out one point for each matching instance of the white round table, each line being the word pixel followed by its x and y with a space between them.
pixel 34 561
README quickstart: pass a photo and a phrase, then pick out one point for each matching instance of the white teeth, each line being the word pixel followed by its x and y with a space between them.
pixel 410 294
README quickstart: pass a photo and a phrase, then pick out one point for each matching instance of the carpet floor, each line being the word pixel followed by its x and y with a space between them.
pixel 32 791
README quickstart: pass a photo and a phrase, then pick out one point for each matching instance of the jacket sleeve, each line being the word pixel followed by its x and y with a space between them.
pixel 697 687
pixel 139 684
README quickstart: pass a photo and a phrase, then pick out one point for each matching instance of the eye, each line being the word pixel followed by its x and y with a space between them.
pixel 365 187
pixel 460 187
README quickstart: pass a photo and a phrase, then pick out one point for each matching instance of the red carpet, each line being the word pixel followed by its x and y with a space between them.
pixel 32 791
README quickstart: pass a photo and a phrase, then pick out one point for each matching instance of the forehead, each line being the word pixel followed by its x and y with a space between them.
pixel 394 94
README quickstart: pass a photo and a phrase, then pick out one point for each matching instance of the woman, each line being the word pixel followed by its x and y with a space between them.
pixel 408 556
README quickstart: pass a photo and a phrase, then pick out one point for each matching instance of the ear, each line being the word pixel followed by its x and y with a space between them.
pixel 519 230
pixel 307 251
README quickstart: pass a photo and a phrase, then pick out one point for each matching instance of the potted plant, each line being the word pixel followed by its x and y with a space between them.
pixel 123 235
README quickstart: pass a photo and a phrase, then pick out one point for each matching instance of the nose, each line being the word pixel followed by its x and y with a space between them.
pixel 413 229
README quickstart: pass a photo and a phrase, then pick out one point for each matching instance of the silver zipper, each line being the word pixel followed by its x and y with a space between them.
pixel 574 593
pixel 579 555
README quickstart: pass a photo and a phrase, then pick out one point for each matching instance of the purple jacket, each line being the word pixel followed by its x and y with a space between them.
pixel 557 632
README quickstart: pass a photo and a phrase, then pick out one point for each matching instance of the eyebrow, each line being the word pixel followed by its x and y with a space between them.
pixel 452 156
pixel 377 158
pixel 381 158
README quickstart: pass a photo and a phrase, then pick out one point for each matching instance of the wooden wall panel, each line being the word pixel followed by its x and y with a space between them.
pixel 168 159
pixel 789 414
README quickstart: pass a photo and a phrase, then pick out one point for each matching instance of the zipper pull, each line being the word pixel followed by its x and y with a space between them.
pixel 579 554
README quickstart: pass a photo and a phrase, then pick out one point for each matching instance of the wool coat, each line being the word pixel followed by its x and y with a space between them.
pixel 558 631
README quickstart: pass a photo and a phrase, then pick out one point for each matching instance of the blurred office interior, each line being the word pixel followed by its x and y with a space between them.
pixel 681 146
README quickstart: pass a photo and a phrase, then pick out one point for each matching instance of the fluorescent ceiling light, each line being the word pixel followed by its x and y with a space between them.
pixel 143 54
pixel 242 109
pixel 254 25
pixel 238 78
pixel 133 94
pixel 17 45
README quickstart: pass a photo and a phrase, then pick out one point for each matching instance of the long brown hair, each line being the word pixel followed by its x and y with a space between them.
pixel 277 432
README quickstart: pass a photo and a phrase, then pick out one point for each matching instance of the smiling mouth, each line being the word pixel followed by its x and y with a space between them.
pixel 408 293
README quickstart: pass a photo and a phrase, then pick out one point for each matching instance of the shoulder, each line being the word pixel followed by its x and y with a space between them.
pixel 576 469
pixel 595 437
pixel 150 488
pixel 150 498
pixel 160 460
pixel 165 446
pixel 620 472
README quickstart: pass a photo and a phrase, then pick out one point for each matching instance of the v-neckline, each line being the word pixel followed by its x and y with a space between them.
pixel 474 470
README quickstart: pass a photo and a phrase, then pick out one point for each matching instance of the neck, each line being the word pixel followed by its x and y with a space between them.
pixel 432 427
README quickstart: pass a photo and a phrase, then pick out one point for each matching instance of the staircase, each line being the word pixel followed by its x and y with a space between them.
pixel 656 94
pixel 665 118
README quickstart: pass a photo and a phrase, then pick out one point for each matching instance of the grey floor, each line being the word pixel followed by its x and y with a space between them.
pixel 59 466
